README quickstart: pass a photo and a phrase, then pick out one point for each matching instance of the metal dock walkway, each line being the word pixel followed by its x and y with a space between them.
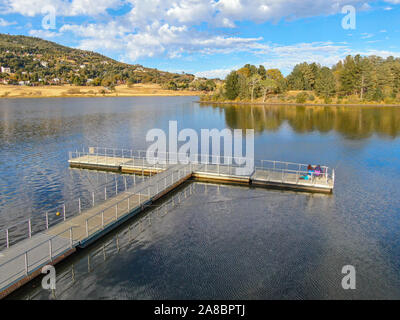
pixel 22 261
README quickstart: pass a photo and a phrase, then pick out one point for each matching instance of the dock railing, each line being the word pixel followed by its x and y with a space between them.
pixel 160 160
pixel 26 228
pixel 296 171
pixel 134 199
pixel 218 165
pixel 30 260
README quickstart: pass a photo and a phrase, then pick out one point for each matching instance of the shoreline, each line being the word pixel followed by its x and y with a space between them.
pixel 66 91
pixel 99 96
pixel 300 104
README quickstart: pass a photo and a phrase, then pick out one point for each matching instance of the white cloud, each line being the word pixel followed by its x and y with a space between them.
pixel 158 39
pixel 62 7
pixel 176 28
pixel 45 34
pixel 216 73
pixel 5 23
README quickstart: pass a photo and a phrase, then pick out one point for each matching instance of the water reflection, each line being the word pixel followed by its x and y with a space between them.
pixel 351 122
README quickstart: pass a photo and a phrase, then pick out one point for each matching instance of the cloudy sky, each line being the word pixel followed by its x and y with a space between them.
pixel 211 37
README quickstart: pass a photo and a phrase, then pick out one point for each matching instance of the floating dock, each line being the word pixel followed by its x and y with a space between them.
pixel 22 261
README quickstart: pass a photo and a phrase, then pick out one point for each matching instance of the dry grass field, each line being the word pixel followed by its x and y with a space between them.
pixel 7 91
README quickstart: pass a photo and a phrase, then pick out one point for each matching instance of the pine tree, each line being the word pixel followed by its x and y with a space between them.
pixel 232 85
pixel 325 85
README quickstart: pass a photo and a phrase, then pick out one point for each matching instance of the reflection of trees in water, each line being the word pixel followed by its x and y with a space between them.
pixel 352 122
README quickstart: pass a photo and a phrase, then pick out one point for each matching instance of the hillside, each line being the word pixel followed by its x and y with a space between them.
pixel 33 61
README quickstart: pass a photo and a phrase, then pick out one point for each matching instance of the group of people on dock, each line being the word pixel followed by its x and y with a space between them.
pixel 312 172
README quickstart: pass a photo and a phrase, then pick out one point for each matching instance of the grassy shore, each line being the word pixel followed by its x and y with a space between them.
pixel 301 104
pixel 290 98
pixel 7 91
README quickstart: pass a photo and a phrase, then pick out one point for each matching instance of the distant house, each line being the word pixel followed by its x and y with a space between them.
pixel 5 70
pixel 44 63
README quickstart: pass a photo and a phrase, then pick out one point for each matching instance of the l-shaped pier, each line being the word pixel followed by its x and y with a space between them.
pixel 22 261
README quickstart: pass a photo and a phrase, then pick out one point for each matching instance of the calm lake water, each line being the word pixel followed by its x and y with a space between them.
pixel 208 241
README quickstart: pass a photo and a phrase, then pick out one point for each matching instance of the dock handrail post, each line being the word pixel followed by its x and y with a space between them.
pixel 93 197
pixel 50 250
pixel 125 183
pixel 30 228
pixel 7 239
pixel 79 202
pixel 105 193
pixel 26 262
pixel 70 237
pixel 87 228
pixel 47 220
pixel 65 217
pixel 116 186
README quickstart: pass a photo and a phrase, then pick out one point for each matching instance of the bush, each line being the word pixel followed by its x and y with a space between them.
pixel 311 97
pixel 301 97
pixel 327 100
pixel 389 100
pixel 74 91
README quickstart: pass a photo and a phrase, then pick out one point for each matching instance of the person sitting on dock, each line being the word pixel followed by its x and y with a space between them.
pixel 310 170
pixel 308 176
pixel 318 171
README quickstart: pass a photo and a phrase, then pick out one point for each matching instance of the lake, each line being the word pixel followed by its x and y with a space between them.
pixel 209 241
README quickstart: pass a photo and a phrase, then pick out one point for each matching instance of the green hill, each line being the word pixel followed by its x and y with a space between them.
pixel 35 61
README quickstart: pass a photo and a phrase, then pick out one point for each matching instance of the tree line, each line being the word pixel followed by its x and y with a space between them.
pixel 354 79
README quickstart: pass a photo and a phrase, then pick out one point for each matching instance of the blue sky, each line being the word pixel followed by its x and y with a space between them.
pixel 210 37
